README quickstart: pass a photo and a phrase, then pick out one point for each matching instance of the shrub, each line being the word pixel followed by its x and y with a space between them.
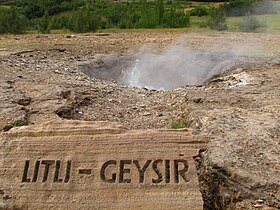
pixel 249 23
pixel 88 15
pixel 159 10
pixel 178 125
pixel 242 7
pixel 181 20
pixel 84 20
pixel 11 21
pixel 37 8
pixel 44 24
pixel 203 24
pixel 217 19
pixel 59 22
pixel 176 18
pixel 199 11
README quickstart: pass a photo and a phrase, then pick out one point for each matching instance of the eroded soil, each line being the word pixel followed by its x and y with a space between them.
pixel 40 80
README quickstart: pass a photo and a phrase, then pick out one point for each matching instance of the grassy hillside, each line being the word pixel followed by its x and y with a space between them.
pixel 76 16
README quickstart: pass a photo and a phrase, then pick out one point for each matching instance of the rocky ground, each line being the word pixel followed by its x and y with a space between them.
pixel 41 80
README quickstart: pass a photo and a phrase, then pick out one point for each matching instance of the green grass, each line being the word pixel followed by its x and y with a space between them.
pixel 60 31
pixel 53 31
pixel 199 22
pixel 118 30
pixel 178 125
pixel 192 28
pixel 272 21
pixel 207 4
pixel 15 124
pixel 2 7
pixel 65 13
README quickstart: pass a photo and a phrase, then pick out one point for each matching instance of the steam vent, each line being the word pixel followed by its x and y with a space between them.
pixel 173 68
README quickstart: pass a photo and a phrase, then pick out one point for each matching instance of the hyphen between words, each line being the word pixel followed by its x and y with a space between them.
pixel 112 171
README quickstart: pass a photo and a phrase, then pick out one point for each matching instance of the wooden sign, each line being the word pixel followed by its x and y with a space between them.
pixel 86 165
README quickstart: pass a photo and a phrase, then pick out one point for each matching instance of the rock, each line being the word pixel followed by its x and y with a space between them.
pixel 95 161
pixel 6 197
pixel 146 114
pixel 57 72
pixel 70 36
pixel 197 100
pixel 65 94
pixel 12 112
pixel 257 206
pixel 24 101
pixel 66 112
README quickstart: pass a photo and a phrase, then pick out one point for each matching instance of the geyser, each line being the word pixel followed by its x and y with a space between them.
pixel 172 68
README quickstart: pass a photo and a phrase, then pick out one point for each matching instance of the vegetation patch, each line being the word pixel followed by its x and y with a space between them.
pixel 89 16
pixel 217 20
pixel 249 23
pixel 178 125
